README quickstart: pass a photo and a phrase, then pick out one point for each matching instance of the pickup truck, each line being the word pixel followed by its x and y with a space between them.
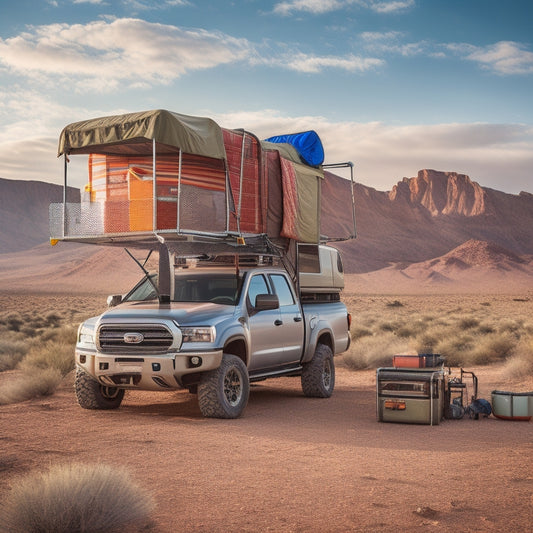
pixel 222 328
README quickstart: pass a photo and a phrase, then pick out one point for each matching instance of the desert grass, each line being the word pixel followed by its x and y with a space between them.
pixel 76 497
pixel 465 329
pixel 28 385
pixel 37 338
pixel 11 353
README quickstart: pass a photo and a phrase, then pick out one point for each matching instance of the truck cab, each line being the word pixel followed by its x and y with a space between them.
pixel 248 320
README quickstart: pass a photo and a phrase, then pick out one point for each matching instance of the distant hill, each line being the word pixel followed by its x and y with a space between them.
pixel 24 212
pixel 432 230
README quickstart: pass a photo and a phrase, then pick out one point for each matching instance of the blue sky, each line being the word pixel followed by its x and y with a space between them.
pixel 392 85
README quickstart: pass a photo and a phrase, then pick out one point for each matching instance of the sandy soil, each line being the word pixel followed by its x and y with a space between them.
pixel 290 463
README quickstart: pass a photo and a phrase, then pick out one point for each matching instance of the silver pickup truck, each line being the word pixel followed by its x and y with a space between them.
pixel 222 328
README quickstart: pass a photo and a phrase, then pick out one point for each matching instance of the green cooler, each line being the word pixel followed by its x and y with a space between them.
pixel 410 396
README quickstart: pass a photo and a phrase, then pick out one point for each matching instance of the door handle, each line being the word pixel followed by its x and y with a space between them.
pixel 278 322
pixel 297 318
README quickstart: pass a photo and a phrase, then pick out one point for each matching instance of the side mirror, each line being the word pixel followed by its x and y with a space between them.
pixel 114 300
pixel 265 302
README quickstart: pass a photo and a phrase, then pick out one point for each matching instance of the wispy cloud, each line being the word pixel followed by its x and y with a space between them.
pixel 313 64
pixel 96 2
pixel 309 6
pixel 102 54
pixel 503 57
pixel 324 6
pixel 387 6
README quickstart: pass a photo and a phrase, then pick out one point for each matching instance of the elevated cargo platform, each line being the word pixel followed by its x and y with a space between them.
pixel 159 176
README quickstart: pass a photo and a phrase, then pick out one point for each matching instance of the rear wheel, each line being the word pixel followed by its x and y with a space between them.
pixel 318 376
pixel 223 392
pixel 91 395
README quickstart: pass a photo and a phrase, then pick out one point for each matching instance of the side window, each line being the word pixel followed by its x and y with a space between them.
pixel 258 285
pixel 283 290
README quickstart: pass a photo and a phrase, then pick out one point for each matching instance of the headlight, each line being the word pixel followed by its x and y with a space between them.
pixel 85 335
pixel 200 334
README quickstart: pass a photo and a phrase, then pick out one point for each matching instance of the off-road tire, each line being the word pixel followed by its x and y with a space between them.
pixel 318 376
pixel 223 392
pixel 91 395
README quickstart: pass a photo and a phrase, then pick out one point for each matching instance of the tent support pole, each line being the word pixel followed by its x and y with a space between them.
pixel 65 166
pixel 154 188
pixel 178 206
pixel 240 183
pixel 346 165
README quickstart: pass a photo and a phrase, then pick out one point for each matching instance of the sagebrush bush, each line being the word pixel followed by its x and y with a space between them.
pixel 14 321
pixel 11 352
pixel 76 498
pixel 491 348
pixel 375 351
pixel 51 354
pixel 358 331
pixel 520 363
pixel 66 334
pixel 30 385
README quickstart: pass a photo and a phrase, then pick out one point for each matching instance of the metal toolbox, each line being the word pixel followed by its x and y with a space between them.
pixel 410 396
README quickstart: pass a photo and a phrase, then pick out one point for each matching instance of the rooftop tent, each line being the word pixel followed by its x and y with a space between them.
pixel 187 156
pixel 307 144
pixel 134 133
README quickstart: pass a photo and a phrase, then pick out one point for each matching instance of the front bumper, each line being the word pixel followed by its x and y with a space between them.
pixel 148 372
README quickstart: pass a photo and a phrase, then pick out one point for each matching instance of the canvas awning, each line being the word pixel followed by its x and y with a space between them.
pixel 134 133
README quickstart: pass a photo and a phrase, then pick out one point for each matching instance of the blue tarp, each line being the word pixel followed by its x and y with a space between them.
pixel 307 143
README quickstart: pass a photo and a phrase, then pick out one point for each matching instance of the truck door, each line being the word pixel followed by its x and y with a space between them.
pixel 267 345
pixel 291 331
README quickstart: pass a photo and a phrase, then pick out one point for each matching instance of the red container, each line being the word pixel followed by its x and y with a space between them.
pixel 408 361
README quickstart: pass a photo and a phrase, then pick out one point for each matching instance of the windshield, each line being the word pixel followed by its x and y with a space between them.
pixel 193 286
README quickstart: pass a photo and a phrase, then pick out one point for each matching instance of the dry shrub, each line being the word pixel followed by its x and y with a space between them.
pixel 11 352
pixel 491 348
pixel 51 354
pixel 455 347
pixel 427 342
pixel 520 364
pixel 30 385
pixel 65 334
pixel 76 497
pixel 375 351
pixel 13 321
pixel 358 332
pixel 468 322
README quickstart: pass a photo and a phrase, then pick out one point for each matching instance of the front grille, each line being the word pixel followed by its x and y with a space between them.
pixel 156 338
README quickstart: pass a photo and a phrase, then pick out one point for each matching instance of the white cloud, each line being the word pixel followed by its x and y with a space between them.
pixel 100 55
pixel 325 6
pixel 503 57
pixel 312 64
pixel 310 6
pixel 380 6
pixel 376 36
pixel 96 2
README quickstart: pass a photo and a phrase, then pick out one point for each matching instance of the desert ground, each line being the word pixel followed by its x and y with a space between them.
pixel 290 463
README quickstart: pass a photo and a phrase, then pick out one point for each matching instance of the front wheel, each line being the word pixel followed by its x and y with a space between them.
pixel 91 395
pixel 318 376
pixel 223 392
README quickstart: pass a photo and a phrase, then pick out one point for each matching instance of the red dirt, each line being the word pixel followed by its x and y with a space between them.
pixel 290 464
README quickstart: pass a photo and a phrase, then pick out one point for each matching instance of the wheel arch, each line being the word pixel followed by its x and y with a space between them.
pixel 237 346
pixel 320 336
